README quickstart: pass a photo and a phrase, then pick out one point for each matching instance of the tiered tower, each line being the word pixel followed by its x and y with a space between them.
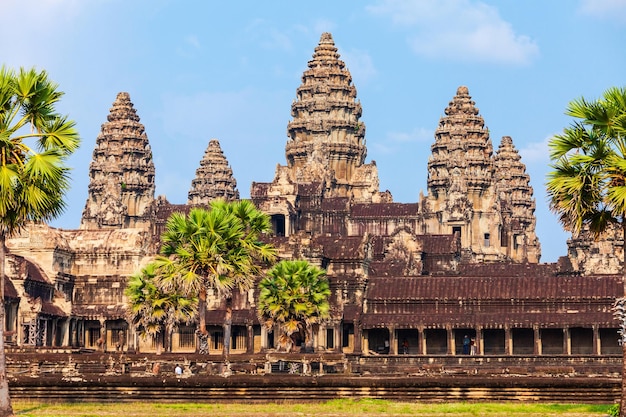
pixel 517 205
pixel 121 186
pixel 326 137
pixel 214 178
pixel 325 151
pixel 461 178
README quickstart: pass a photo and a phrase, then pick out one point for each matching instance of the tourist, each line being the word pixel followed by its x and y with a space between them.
pixel 178 370
pixel 405 346
pixel 466 345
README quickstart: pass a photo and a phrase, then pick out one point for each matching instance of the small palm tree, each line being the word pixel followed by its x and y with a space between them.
pixel 294 296
pixel 35 142
pixel 153 312
pixel 587 187
pixel 214 250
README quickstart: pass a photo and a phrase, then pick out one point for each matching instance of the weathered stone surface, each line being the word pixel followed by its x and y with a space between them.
pixel 121 187
pixel 214 178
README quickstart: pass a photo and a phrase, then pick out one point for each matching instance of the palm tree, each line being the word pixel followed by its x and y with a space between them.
pixel 152 311
pixel 35 142
pixel 255 224
pixel 294 295
pixel 214 250
pixel 587 188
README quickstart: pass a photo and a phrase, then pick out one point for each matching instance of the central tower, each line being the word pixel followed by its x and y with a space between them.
pixel 326 138
pixel 325 149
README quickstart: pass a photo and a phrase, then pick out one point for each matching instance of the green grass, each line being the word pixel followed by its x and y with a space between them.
pixel 335 408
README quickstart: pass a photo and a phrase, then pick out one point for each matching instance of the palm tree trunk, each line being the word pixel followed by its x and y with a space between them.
pixel 622 405
pixel 5 398
pixel 228 324
pixel 202 332
pixel 308 330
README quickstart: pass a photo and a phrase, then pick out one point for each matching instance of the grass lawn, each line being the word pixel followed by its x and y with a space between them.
pixel 335 408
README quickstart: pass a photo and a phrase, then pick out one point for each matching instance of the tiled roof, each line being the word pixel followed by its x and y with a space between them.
pixel 335 204
pixel 384 210
pixel 529 287
pixel 341 247
pixel 438 244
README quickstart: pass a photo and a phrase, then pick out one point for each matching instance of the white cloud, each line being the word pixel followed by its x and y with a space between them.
pixel 463 30
pixel 193 41
pixel 604 9
pixel 536 152
pixel 396 142
pixel 418 134
pixel 360 65
pixel 26 32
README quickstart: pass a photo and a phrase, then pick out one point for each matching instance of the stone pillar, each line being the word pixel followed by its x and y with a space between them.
pixel 480 342
pixel 66 333
pixel 597 347
pixel 421 342
pixel 537 344
pixel 250 339
pixel 451 344
pixel 103 335
pixel 358 334
pixel 393 345
pixel 264 338
pixel 567 341
pixel 508 340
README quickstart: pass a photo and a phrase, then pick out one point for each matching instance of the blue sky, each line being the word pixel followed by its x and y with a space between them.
pixel 197 70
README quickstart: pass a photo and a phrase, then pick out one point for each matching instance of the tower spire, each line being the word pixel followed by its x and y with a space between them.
pixel 214 178
pixel 121 187
pixel 326 138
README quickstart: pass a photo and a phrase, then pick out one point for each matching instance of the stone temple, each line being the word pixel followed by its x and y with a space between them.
pixel 464 260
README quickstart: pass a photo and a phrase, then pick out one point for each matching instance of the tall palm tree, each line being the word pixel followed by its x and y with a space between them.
pixel 153 312
pixel 587 188
pixel 294 295
pixel 214 250
pixel 255 223
pixel 35 142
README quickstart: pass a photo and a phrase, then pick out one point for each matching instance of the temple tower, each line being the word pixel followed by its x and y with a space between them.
pixel 326 137
pixel 121 186
pixel 517 205
pixel 325 150
pixel 214 178
pixel 461 180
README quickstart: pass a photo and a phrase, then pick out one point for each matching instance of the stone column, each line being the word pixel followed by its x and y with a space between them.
pixel 537 344
pixel 393 346
pixel 508 340
pixel 567 341
pixel 250 339
pixel 103 335
pixel 480 342
pixel 451 344
pixel 264 338
pixel 358 334
pixel 597 347
pixel 421 341
pixel 66 333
